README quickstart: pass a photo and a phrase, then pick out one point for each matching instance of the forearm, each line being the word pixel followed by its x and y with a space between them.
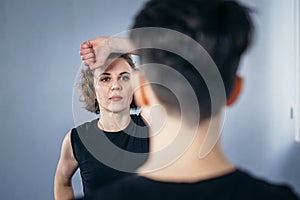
pixel 121 45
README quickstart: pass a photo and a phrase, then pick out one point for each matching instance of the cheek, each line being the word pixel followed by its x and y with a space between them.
pixel 129 91
pixel 101 93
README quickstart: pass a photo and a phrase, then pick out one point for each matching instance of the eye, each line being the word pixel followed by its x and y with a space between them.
pixel 104 79
pixel 125 78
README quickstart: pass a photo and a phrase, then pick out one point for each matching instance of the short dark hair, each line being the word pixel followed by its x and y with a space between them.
pixel 223 28
pixel 87 89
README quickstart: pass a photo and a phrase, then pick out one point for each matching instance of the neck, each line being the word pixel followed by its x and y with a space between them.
pixel 113 122
pixel 187 165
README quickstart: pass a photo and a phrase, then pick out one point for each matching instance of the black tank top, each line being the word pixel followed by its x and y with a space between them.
pixel 94 172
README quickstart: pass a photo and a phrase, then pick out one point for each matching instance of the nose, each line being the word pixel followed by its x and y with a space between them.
pixel 116 85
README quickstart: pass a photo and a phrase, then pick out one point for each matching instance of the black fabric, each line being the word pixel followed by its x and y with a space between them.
pixel 237 185
pixel 95 173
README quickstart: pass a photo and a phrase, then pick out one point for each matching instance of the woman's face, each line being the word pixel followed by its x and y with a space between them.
pixel 113 86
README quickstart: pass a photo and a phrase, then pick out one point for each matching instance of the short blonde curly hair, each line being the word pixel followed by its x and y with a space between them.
pixel 87 89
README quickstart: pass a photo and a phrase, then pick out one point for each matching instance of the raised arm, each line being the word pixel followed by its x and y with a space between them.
pixel 66 167
pixel 94 52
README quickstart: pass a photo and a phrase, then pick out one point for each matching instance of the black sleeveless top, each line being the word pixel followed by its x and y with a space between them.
pixel 104 157
pixel 236 185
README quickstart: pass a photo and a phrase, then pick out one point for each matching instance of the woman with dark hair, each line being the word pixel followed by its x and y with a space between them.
pixel 107 91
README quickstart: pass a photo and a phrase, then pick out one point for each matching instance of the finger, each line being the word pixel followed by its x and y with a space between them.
pixel 86 64
pixel 85 45
pixel 85 51
pixel 87 56
pixel 89 62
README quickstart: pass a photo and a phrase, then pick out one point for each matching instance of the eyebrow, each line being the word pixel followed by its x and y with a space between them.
pixel 106 73
pixel 124 73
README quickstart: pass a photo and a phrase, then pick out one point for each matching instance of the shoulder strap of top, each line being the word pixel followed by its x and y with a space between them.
pixel 74 142
pixel 77 134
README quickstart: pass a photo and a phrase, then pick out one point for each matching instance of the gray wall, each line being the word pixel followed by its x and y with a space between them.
pixel 39 61
pixel 259 133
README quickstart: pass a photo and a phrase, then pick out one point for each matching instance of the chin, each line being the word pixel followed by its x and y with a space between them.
pixel 117 109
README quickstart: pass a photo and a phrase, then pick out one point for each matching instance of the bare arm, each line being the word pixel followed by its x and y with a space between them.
pixel 66 167
pixel 94 52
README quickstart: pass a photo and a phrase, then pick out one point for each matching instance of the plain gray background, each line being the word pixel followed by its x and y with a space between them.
pixel 39 60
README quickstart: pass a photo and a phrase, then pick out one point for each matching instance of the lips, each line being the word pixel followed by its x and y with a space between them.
pixel 116 98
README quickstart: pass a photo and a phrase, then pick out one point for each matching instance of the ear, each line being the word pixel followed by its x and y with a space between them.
pixel 237 88
pixel 144 95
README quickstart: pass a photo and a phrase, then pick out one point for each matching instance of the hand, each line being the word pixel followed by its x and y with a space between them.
pixel 95 52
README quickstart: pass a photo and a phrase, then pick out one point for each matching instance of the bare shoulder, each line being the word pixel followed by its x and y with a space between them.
pixel 66 149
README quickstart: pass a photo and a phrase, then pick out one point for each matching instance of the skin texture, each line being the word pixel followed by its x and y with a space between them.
pixel 114 87
pixel 114 91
